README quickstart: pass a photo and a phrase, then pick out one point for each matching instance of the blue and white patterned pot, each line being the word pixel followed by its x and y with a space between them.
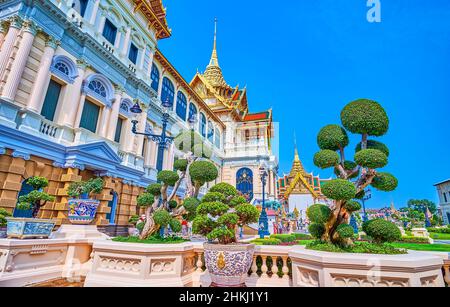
pixel 82 211
pixel 26 228
pixel 228 265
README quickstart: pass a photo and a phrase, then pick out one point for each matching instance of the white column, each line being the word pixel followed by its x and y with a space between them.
pixel 101 24
pixel 94 12
pixel 118 40
pixel 43 76
pixel 153 152
pixel 150 62
pixel 142 58
pixel 106 113
pixel 127 142
pixel 126 43
pixel 71 98
pixel 9 42
pixel 20 60
pixel 114 117
pixel 3 31
pixel 80 105
pixel 148 154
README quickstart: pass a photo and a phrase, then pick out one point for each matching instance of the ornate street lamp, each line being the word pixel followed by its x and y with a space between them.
pixel 367 196
pixel 162 140
pixel 263 229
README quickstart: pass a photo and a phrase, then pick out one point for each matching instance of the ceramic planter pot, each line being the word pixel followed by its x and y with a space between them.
pixel 3 232
pixel 27 228
pixel 82 211
pixel 228 265
pixel 133 231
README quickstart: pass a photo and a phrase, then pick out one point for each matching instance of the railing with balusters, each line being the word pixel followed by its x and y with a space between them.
pixel 47 128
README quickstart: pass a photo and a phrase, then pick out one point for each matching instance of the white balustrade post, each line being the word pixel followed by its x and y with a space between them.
pixel 43 76
pixel 199 263
pixel 254 268
pixel 114 117
pixel 264 267
pixel 20 60
pixel 285 267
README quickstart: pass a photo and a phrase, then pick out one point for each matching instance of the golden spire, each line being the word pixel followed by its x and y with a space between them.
pixel 214 58
pixel 297 166
pixel 297 157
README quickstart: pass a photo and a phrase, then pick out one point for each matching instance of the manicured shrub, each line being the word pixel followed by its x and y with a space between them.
pixel 267 241
pixel 154 189
pixel 385 182
pixel 285 238
pixel 180 165
pixel 316 230
pixel 226 189
pixel 145 200
pixel 216 208
pixel 365 116
pixel 417 240
pixel 374 145
pixel 371 158
pixel 339 189
pixel 3 215
pixel 319 213
pixel 202 172
pixel 326 158
pixel 345 231
pixel 162 218
pixel 382 231
pixel 331 137
pixel 352 206
pixel 302 236
pixel 173 204
pixel 168 177
pixel 191 204
pixel 213 196
pixel 247 213
pixel 238 200
pixel 175 225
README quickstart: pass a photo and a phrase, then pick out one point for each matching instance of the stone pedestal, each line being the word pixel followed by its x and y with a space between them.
pixel 420 232
pixel 79 232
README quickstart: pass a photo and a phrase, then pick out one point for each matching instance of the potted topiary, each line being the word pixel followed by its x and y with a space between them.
pixel 3 222
pixel 218 215
pixel 82 209
pixel 22 228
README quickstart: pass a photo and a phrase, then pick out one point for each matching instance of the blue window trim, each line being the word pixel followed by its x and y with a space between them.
pixel 125 107
pixel 203 125
pixel 168 91
pixel 108 100
pixel 109 32
pixel 73 71
pixel 181 106
pixel 155 76
pixel 133 53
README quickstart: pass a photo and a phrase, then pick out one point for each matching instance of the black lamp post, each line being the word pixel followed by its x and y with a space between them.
pixel 367 196
pixel 263 229
pixel 162 140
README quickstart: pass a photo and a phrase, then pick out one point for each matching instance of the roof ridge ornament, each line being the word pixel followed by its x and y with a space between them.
pixel 214 58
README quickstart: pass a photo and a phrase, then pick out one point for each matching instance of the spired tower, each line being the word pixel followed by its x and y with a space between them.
pixel 301 189
pixel 247 137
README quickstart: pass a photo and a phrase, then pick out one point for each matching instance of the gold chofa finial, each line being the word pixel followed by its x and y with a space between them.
pixel 297 157
pixel 214 59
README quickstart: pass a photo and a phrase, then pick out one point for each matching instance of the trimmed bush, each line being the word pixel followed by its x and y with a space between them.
pixel 385 182
pixel 316 230
pixel 371 158
pixel 339 189
pixel 213 208
pixel 365 116
pixel 285 238
pixel 410 239
pixel 154 189
pixel 374 145
pixel 345 231
pixel 3 215
pixel 145 200
pixel 267 241
pixel 326 158
pixel 226 189
pixel 168 177
pixel 238 200
pixel 180 165
pixel 162 218
pixel 175 225
pixel 173 204
pixel 382 231
pixel 331 137
pixel 202 172
pixel 302 236
pixel 352 206
pixel 319 213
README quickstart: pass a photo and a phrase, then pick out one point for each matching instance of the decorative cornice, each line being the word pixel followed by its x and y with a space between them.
pixel 2 150
pixel 16 21
pixel 82 64
pixel 21 155
pixel 75 165
pixel 30 26
pixel 52 42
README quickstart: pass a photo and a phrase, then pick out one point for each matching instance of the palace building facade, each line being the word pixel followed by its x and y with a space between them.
pixel 71 70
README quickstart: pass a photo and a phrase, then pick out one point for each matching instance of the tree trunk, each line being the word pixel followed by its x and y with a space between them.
pixel 150 228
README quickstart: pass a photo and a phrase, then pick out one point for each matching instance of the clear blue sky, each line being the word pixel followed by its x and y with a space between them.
pixel 309 58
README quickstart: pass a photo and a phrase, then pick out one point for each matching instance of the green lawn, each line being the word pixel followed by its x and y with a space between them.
pixel 440 236
pixel 424 247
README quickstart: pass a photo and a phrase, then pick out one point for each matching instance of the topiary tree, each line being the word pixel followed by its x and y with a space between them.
pixel 3 215
pixel 382 231
pixel 36 199
pixel 193 169
pixel 366 118
pixel 220 211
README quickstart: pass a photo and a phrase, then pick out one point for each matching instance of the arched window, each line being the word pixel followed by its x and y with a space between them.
pixel 64 68
pixel 244 183
pixel 192 110
pixel 125 106
pixel 181 106
pixel 80 6
pixel 210 132
pixel 100 88
pixel 218 138
pixel 203 125
pixel 168 91
pixel 155 78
